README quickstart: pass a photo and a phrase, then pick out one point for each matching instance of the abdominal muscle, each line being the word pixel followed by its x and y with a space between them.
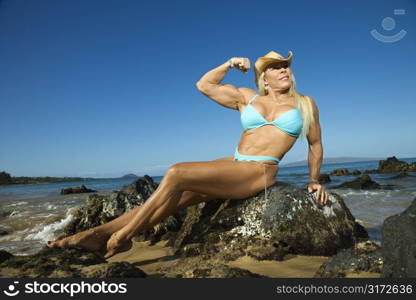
pixel 267 140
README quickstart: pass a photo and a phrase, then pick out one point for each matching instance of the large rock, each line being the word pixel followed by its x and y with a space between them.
pixel 398 243
pixel 392 165
pixel 362 182
pixel 58 263
pixel 365 256
pixel 76 190
pixel 100 209
pixel 289 221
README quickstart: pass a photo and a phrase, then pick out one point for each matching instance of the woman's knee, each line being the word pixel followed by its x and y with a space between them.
pixel 174 173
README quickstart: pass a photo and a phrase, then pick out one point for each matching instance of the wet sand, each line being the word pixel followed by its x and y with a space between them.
pixel 150 258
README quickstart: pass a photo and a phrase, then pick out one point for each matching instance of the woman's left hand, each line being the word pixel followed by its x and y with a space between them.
pixel 322 194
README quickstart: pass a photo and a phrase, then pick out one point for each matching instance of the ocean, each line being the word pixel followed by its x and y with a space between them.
pixel 32 214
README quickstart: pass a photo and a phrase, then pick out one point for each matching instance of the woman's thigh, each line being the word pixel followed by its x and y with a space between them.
pixel 222 178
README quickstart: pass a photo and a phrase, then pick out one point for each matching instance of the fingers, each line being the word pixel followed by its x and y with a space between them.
pixel 322 195
pixel 241 63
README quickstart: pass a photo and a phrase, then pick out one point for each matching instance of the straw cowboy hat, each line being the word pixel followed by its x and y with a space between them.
pixel 272 57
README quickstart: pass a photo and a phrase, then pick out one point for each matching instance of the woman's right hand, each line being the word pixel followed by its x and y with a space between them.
pixel 241 63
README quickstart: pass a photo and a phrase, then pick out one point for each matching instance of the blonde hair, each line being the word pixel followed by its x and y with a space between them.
pixel 303 102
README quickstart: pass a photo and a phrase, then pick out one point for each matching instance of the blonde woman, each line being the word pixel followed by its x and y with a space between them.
pixel 272 120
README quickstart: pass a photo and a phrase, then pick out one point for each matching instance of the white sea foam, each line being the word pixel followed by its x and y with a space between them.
pixel 46 233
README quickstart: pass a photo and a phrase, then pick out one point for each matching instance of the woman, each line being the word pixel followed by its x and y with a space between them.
pixel 253 166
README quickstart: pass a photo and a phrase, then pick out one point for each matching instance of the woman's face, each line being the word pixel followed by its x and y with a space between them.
pixel 278 76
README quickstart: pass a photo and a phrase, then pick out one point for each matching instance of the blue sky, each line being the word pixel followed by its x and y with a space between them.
pixel 105 88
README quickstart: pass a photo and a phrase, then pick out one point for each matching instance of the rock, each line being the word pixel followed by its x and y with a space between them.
pixel 74 262
pixel 55 262
pixel 202 267
pixel 289 221
pixel 113 270
pixel 402 174
pixel 324 178
pixel 4 255
pixel 361 182
pixel 398 241
pixel 393 165
pixel 78 189
pixel 100 209
pixel 364 256
pixel 340 172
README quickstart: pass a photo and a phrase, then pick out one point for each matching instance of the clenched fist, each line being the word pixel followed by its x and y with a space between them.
pixel 241 63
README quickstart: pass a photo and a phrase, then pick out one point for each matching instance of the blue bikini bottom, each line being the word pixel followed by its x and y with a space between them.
pixel 243 157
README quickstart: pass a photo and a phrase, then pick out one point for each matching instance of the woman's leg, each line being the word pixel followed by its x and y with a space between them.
pixel 219 179
pixel 95 238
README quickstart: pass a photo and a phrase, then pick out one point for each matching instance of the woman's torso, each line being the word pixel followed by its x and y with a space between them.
pixel 267 140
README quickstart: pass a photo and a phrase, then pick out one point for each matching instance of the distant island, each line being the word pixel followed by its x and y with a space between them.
pixel 332 160
pixel 6 178
pixel 130 176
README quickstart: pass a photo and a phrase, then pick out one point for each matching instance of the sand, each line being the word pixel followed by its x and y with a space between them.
pixel 150 257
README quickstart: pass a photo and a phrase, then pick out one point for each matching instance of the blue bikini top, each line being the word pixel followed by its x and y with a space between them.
pixel 290 121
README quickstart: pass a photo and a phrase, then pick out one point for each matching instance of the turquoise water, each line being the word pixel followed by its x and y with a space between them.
pixel 34 213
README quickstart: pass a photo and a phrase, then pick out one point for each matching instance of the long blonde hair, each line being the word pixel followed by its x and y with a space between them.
pixel 303 102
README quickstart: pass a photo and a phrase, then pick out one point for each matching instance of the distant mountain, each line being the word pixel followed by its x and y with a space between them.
pixel 332 160
pixel 129 176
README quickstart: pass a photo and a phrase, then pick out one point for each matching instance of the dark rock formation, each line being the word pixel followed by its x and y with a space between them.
pixel 100 209
pixel 361 182
pixel 365 256
pixel 402 174
pixel 398 243
pixel 4 255
pixel 340 172
pixel 55 262
pixel 324 178
pixel 289 221
pixel 392 165
pixel 77 189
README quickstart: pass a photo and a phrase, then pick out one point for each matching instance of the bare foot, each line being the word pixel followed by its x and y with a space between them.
pixel 117 243
pixel 90 240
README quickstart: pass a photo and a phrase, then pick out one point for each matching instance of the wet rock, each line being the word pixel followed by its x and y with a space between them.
pixel 203 267
pixel 113 270
pixel 364 256
pixel 340 172
pixel 100 209
pixel 362 182
pixel 324 178
pixel 77 189
pixel 393 165
pixel 4 255
pixel 57 263
pixel 398 241
pixel 289 221
pixel 402 174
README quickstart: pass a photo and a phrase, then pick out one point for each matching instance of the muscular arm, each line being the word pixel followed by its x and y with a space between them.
pixel 226 95
pixel 315 154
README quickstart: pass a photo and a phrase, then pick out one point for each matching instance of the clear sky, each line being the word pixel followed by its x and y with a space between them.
pixel 105 88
